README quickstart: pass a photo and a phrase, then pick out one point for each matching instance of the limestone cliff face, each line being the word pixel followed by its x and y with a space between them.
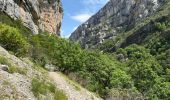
pixel 116 16
pixel 44 15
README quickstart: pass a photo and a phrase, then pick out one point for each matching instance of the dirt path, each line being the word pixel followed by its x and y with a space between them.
pixel 73 91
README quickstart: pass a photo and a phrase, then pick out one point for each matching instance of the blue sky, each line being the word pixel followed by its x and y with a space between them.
pixel 78 11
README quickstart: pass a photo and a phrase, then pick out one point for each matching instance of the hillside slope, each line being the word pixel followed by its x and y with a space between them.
pixel 72 90
pixel 20 79
pixel 18 76
pixel 132 65
pixel 137 34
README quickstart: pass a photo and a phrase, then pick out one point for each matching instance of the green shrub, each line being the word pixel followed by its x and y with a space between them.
pixel 4 61
pixel 13 69
pixel 146 72
pixel 5 19
pixel 12 40
pixel 58 95
pixel 161 90
pixel 125 94
pixel 42 87
pixel 120 79
pixel 39 87
pixel 160 26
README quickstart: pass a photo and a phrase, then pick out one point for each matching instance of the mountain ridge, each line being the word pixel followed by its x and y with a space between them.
pixel 115 17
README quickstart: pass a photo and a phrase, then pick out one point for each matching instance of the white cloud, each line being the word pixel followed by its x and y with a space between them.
pixel 74 28
pixel 67 36
pixel 94 2
pixel 82 17
pixel 90 8
pixel 61 31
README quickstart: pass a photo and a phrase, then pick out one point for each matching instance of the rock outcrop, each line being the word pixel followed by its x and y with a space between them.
pixel 115 17
pixel 44 15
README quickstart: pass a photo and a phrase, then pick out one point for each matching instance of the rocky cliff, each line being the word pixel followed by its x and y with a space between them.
pixel 44 15
pixel 115 17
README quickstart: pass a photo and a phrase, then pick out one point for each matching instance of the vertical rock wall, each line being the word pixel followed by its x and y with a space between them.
pixel 114 17
pixel 44 15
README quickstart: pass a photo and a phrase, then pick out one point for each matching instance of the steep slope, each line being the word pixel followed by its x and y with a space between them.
pixel 141 44
pixel 72 90
pixel 20 79
pixel 36 15
pixel 115 17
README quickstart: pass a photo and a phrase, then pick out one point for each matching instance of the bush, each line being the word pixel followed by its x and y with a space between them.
pixel 148 76
pixel 160 26
pixel 4 61
pixel 120 79
pixel 14 69
pixel 5 19
pixel 161 90
pixel 39 87
pixel 42 87
pixel 11 67
pixel 12 40
pixel 124 94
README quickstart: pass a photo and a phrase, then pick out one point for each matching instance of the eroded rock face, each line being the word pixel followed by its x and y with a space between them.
pixel 44 15
pixel 115 17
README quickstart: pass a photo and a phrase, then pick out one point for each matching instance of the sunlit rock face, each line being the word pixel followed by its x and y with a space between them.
pixel 44 15
pixel 115 17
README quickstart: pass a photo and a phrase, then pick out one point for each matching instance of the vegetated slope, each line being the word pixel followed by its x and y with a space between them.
pixel 23 80
pixel 143 32
pixel 143 51
pixel 93 70
pixel 136 72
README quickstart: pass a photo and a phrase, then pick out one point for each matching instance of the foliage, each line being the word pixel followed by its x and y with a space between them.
pixel 96 71
pixel 160 26
pixel 14 69
pixel 12 40
pixel 164 59
pixel 148 76
pixel 124 94
pixel 4 61
pixel 120 79
pixel 41 87
pixel 146 68
pixel 5 19
pixel 11 67
pixel 109 45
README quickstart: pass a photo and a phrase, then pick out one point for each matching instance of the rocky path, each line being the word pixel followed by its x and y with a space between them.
pixel 70 89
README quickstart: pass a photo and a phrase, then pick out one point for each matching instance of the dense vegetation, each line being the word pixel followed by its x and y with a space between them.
pixel 137 70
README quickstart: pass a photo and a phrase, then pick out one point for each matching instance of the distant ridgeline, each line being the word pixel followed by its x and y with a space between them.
pixel 114 21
